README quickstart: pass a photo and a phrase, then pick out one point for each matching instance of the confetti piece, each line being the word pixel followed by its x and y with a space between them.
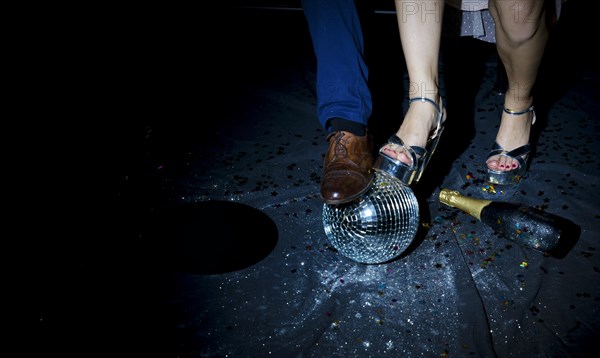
pixel 489 188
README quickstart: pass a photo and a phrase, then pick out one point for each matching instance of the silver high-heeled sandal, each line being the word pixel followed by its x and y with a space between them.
pixel 520 154
pixel 411 173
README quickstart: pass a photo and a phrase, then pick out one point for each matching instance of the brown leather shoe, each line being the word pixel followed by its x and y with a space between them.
pixel 347 168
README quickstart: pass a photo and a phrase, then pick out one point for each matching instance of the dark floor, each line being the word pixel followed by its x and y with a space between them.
pixel 212 242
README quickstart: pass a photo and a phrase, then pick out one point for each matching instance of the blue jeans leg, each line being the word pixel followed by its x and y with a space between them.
pixel 342 74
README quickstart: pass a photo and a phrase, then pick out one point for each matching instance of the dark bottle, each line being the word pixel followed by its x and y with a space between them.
pixel 525 225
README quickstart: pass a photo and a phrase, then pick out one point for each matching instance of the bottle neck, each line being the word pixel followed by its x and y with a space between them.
pixel 469 205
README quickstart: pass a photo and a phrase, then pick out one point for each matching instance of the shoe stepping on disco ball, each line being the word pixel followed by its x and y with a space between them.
pixel 378 226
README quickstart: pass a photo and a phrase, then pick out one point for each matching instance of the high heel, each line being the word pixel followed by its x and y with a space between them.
pixel 420 156
pixel 520 154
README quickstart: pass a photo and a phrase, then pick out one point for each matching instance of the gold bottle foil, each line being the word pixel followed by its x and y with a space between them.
pixel 471 206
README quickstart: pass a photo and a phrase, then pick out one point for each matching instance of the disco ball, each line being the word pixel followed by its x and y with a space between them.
pixel 377 227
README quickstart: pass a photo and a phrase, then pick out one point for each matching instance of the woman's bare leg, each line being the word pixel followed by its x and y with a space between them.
pixel 420 26
pixel 521 37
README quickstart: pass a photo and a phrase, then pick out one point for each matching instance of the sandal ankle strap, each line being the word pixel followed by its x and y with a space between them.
pixel 425 99
pixel 518 113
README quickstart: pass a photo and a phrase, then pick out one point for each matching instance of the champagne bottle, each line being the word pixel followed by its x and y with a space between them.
pixel 525 225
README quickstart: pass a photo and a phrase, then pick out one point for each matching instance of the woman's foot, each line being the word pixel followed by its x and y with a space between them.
pixel 408 151
pixel 507 160
pixel 513 133
pixel 419 125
